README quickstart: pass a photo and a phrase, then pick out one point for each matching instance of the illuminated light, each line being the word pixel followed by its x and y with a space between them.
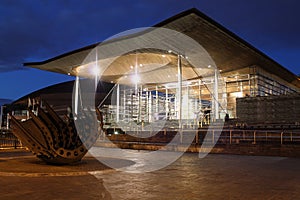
pixel 209 66
pixel 69 73
pixel 163 56
pixel 170 51
pixel 96 70
pixel 238 94
pixel 135 79
pixel 131 67
pixel 220 70
pixel 141 65
pixel 125 76
pixel 116 132
pixel 111 81
pixel 186 57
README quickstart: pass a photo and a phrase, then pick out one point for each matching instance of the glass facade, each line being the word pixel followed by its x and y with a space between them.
pixel 149 103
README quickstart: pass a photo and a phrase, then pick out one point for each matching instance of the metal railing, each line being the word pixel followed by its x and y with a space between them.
pixel 227 136
pixel 235 136
pixel 8 140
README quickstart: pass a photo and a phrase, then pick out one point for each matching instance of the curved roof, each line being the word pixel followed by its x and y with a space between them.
pixel 227 50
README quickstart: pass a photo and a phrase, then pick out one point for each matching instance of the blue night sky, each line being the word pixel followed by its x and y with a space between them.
pixel 36 30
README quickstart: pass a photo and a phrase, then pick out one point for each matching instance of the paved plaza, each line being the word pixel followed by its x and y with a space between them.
pixel 216 176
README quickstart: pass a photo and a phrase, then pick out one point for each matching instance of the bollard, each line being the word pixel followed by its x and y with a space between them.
pixel 197 136
pixel 254 137
pixel 15 144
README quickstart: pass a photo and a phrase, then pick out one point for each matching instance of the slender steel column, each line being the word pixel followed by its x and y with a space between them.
pixel 156 101
pixel 216 96
pixel 118 103
pixel 96 71
pixel 179 94
pixel 150 107
pixel 167 103
pixel 76 95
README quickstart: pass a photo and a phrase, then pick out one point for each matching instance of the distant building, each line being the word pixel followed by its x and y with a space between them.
pixel 3 114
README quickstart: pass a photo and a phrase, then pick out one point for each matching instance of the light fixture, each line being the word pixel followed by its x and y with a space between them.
pixel 135 78
pixel 141 65
pixel 209 66
pixel 131 67
pixel 170 51
pixel 95 70
pixel 163 56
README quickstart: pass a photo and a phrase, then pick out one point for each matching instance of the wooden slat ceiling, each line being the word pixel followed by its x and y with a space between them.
pixel 228 51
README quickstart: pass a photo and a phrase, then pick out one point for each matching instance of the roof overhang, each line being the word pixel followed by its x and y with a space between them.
pixel 228 51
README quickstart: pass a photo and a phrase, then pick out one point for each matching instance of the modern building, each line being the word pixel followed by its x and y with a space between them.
pixel 167 85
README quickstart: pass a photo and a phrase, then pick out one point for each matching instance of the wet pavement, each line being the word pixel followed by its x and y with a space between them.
pixel 22 176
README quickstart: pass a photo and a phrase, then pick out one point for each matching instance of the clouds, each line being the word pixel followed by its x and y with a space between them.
pixel 43 29
pixel 32 30
pixel 271 26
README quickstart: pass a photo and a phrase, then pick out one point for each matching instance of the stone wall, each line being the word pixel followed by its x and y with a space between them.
pixel 284 109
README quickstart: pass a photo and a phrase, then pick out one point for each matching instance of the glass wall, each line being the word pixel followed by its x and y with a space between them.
pixel 256 82
pixel 150 103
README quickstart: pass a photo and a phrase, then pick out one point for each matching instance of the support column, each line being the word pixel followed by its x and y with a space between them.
pixel 146 117
pixel 156 101
pixel 200 104
pixel 76 96
pixel 179 93
pixel 216 96
pixel 167 104
pixel 96 70
pixel 150 106
pixel 140 105
pixel 125 112
pixel 118 103
pixel 187 115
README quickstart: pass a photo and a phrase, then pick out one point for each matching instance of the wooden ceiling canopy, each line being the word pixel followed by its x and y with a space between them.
pixel 227 50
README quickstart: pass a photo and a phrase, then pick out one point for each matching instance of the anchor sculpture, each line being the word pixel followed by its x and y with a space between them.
pixel 56 140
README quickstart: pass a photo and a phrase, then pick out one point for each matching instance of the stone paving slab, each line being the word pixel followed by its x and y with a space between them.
pixel 214 177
